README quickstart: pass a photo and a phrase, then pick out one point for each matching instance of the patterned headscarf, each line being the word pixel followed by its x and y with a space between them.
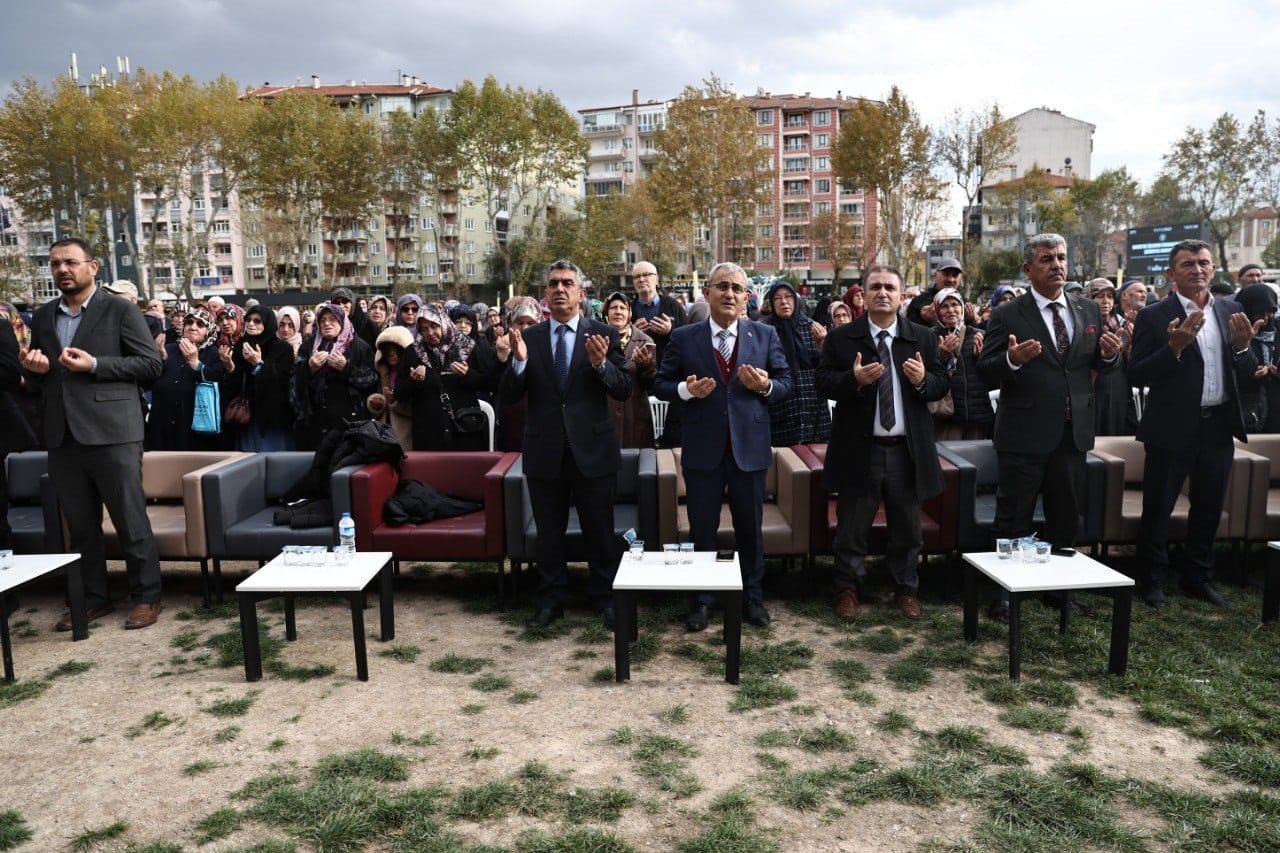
pixel 409 298
pixel 523 306
pixel 235 312
pixel 9 312
pixel 292 313
pixel 453 346
pixel 202 316
pixel 346 334
pixel 390 311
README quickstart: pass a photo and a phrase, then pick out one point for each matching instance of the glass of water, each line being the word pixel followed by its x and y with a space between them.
pixel 636 550
pixel 6 560
pixel 686 552
pixel 1004 549
pixel 671 554
pixel 1042 552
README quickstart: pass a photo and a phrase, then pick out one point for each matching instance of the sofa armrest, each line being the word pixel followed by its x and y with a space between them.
pixel 647 498
pixel 1094 504
pixel 232 492
pixel 340 495
pixel 948 504
pixel 494 501
pixel 966 510
pixel 668 500
pixel 1113 505
pixel 371 487
pixel 193 506
pixel 518 510
pixel 1247 497
pixel 818 495
pixel 55 536
pixel 794 496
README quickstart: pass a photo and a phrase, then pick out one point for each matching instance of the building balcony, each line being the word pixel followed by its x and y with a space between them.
pixel 446 278
pixel 650 129
pixel 605 156
pixel 449 207
pixel 601 129
pixel 449 231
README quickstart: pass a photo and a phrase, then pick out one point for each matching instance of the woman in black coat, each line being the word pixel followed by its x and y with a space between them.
pixel 189 360
pixel 959 345
pixel 332 376
pixel 1114 409
pixel 262 365
pixel 1261 402
pixel 433 382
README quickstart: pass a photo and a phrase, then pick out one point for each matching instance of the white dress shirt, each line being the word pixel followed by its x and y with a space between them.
pixel 1209 339
pixel 1046 314
pixel 570 338
pixel 899 413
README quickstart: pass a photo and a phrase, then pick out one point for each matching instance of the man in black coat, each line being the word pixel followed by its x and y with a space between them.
pixel 1193 352
pixel 1040 351
pixel 89 353
pixel 881 370
pixel 568 366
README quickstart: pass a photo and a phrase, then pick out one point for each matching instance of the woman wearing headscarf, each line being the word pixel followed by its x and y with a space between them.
pixel 383 404
pixel 432 380
pixel 1261 403
pixel 377 318
pixel 262 366
pixel 28 404
pixel 308 326
pixel 288 323
pixel 856 301
pixel 1114 412
pixel 803 417
pixel 521 312
pixel 632 417
pixel 408 307
pixel 959 345
pixel 190 360
pixel 841 315
pixel 332 377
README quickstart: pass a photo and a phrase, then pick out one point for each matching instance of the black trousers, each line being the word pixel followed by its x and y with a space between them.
pixel 1207 462
pixel 1057 476
pixel 704 493
pixel 892 479
pixel 593 498
pixel 87 477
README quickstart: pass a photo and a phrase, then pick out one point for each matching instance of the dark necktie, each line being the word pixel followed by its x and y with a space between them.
pixel 562 356
pixel 1060 331
pixel 885 388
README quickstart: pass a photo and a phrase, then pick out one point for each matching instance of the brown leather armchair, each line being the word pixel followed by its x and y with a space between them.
pixel 1263 521
pixel 1122 515
pixel 786 505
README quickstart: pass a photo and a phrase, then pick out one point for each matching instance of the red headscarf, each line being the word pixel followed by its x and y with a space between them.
pixel 855 310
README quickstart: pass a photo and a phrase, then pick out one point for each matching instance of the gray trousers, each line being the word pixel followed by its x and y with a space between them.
pixel 892 480
pixel 87 477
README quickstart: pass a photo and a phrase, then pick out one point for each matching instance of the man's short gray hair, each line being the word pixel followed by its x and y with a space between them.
pixel 563 264
pixel 1041 241
pixel 726 265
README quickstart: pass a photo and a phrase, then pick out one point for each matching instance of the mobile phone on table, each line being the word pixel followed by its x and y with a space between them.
pixel 724 556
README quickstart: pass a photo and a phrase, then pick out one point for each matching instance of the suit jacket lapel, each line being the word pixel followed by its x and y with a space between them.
pixel 1031 312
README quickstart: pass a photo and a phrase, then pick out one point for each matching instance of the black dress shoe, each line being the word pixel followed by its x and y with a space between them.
pixel 606 616
pixel 1154 597
pixel 697 619
pixel 545 617
pixel 756 614
pixel 1205 592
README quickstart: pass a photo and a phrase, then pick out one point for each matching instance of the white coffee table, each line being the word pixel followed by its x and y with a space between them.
pixel 1060 573
pixel 703 574
pixel 1270 585
pixel 28 567
pixel 349 579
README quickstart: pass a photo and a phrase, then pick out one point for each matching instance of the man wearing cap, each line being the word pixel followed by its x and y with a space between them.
pixel 128 291
pixel 1041 350
pixel 959 345
pixel 1133 298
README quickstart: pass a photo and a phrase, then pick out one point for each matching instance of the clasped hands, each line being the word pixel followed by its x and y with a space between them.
pixel 868 374
pixel 72 358
pixel 754 378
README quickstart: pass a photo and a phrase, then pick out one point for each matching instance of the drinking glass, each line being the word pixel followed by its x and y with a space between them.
pixel 1004 548
pixel 1042 552
pixel 671 554
pixel 636 550
pixel 686 552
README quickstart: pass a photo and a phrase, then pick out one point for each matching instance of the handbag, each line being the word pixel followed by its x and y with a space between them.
pixel 207 415
pixel 238 411
pixel 466 420
pixel 944 408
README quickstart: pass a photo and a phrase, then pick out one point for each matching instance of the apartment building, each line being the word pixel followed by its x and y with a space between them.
pixel 1250 238
pixel 1049 140
pixel 438 246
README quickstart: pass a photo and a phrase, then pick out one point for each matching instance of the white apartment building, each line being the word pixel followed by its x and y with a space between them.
pixel 1049 140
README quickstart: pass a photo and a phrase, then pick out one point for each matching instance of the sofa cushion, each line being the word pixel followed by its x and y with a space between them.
pixel 258 537
pixel 463 537
pixel 778 535
pixel 27 523
pixel 168 523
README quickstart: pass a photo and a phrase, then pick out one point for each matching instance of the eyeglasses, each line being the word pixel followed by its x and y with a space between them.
pixel 724 285
pixel 69 264
pixel 409 309
pixel 341 301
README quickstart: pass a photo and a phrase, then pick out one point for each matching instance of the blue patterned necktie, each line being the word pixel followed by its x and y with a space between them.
pixel 562 356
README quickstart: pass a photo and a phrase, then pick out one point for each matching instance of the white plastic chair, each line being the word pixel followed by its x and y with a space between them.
pixel 489 416
pixel 658 408
pixel 994 397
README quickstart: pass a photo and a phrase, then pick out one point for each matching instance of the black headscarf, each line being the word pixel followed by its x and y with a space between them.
pixel 1256 300
pixel 794 333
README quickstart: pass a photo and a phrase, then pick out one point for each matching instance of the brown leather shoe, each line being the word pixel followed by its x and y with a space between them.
pixel 64 624
pixel 142 615
pixel 908 604
pixel 847 604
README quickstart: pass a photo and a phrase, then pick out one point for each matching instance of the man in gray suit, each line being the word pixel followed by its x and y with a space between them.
pixel 88 355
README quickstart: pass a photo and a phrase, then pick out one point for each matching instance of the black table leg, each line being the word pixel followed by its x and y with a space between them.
pixel 970 602
pixel 732 635
pixel 634 600
pixel 75 600
pixel 4 637
pixel 1120 630
pixel 205 600
pixel 387 615
pixel 249 637
pixel 1270 587
pixel 623 616
pixel 290 619
pixel 1064 613
pixel 1015 636
pixel 217 579
pixel 357 631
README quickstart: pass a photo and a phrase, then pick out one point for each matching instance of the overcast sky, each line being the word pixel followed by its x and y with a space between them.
pixel 1140 77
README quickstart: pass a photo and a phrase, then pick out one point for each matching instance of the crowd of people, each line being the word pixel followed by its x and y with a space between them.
pixel 878 374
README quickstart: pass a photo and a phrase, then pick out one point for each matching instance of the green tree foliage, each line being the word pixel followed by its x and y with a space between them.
pixel 1165 204
pixel 1216 170
pixel 972 147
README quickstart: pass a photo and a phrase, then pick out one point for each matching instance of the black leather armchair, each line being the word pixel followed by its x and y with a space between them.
pixel 31 501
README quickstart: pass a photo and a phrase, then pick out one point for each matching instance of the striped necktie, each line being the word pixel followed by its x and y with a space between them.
pixel 562 357
pixel 725 345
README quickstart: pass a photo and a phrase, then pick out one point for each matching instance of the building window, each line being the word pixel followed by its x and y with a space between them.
pixel 471 269
pixel 764 140
pixel 197 204
pixel 766 231
pixel 764 253
pixel 469 224
pixel 822 208
pixel 377 271
pixel 257 250
pixel 822 164
pixel 821 117
pixel 311 249
pixel 822 185
pixel 429 223
pixel 821 140
pixel 765 209
pixel 488 226
pixel 428 269
pixel 221 227
pixel 471 247
pixel 258 274
pixel 795 164
pixel 764 117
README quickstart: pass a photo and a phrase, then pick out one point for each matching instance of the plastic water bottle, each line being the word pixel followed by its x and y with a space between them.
pixel 346 534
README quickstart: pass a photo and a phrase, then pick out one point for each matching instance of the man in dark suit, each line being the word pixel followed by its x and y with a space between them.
pixel 1193 352
pixel 567 366
pixel 881 370
pixel 726 369
pixel 1040 351
pixel 89 353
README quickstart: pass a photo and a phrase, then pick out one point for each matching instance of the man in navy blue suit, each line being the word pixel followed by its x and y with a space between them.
pixel 725 370
pixel 568 367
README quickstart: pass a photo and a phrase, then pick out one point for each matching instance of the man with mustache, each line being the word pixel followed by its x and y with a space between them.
pixel 1040 351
